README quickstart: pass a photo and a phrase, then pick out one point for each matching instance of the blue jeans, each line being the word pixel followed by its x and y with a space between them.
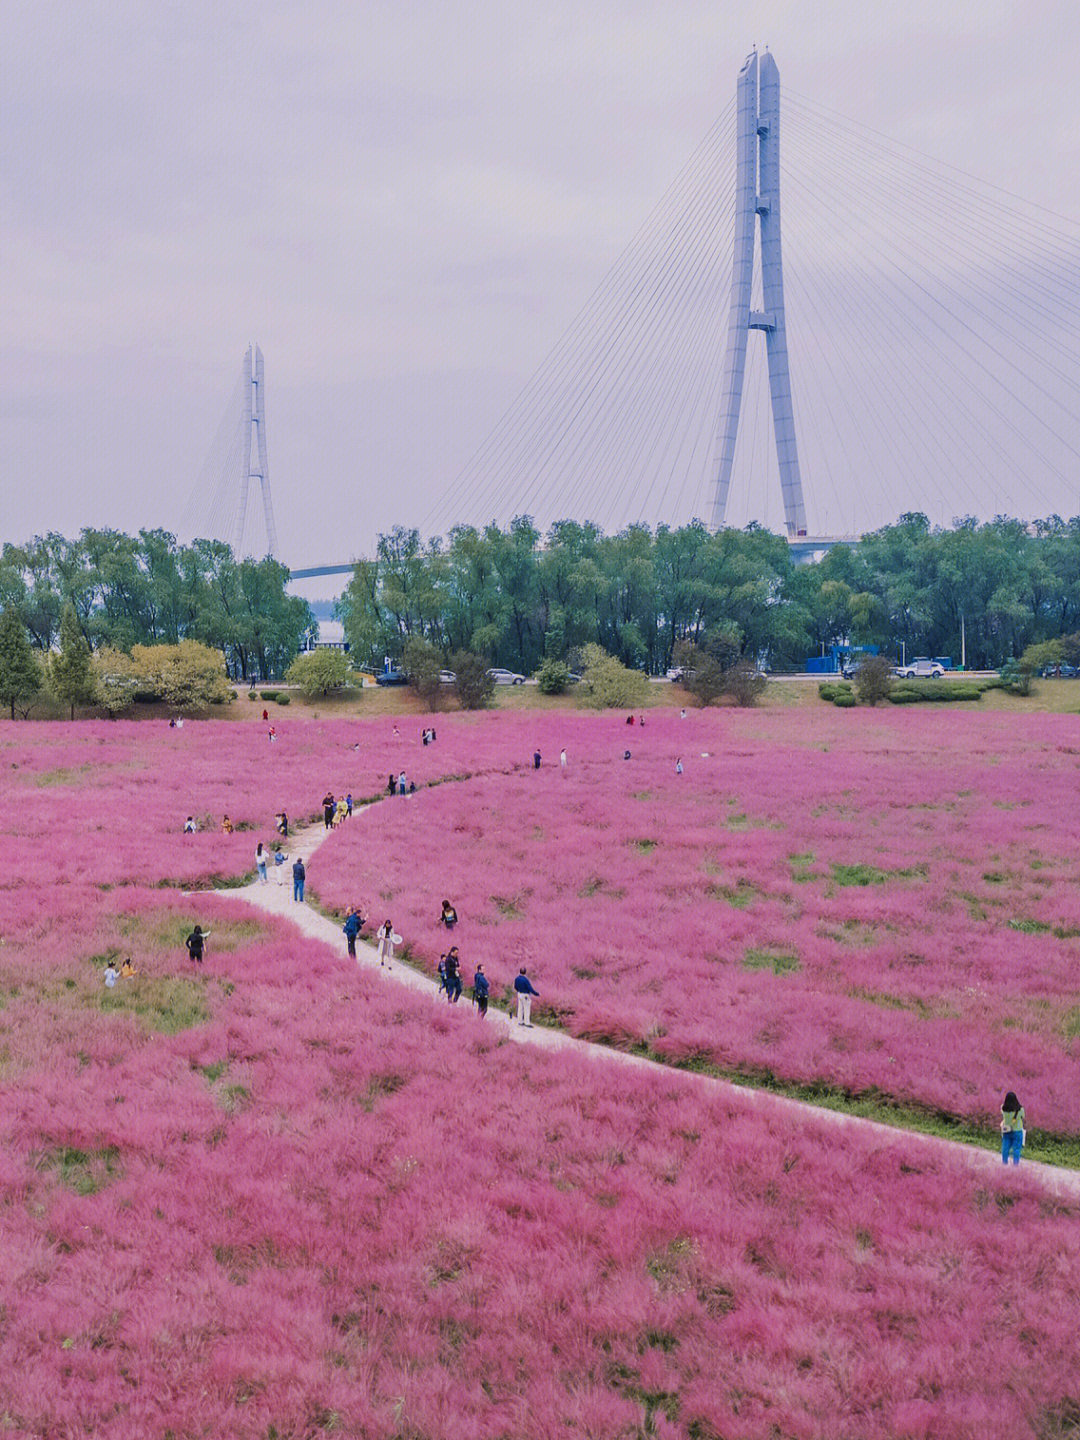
pixel 298 889
pixel 1011 1140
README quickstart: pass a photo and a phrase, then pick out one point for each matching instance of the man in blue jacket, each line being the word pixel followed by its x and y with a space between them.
pixel 299 875
pixel 525 991
pixel 481 990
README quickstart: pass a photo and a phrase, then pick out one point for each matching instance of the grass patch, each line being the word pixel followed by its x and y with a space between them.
pixel 510 907
pixel 871 875
pixel 83 1171
pixel 780 962
pixel 166 930
pixel 802 867
pixel 741 895
pixel 646 846
pixel 164 1005
pixel 1027 926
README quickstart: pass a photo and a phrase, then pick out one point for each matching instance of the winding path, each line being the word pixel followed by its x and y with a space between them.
pixel 276 899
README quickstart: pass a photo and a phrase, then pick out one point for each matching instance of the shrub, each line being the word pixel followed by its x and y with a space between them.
pixel 268 694
pixel 606 683
pixel 319 672
pixel 423 665
pixel 116 680
pixel 474 685
pixel 744 683
pixel 283 700
pixel 838 692
pixel 553 677
pixel 873 680
pixel 845 700
pixel 913 692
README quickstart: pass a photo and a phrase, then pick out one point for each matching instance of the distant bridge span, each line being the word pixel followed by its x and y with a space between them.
pixel 802 548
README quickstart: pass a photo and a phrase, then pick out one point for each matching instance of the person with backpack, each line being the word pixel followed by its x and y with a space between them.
pixel 353 924
pixel 525 991
pixel 481 989
pixel 299 879
pixel 195 942
pixel 1013 1129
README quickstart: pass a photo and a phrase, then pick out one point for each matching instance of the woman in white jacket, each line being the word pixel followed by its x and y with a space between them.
pixel 386 942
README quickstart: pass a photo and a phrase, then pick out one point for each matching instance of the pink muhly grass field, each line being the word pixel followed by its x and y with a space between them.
pixel 279 1195
pixel 326 1205
pixel 882 903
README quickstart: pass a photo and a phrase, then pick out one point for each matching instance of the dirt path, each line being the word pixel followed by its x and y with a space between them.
pixel 276 899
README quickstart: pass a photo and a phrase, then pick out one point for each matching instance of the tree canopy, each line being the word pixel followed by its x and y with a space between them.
pixel 519 597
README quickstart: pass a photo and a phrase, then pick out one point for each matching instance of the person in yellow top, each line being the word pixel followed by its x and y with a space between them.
pixel 127 969
pixel 1013 1128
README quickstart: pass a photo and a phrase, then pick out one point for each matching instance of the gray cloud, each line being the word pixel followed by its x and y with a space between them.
pixel 405 204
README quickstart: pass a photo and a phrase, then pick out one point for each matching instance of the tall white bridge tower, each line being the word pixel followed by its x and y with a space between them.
pixel 757 201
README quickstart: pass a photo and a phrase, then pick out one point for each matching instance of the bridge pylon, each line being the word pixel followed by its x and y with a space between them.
pixel 757 206
pixel 253 464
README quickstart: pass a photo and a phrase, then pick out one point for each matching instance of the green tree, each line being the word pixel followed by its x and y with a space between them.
pixel 188 676
pixel 116 680
pixel 606 683
pixel 423 665
pixel 319 672
pixel 474 685
pixel 71 674
pixel 20 672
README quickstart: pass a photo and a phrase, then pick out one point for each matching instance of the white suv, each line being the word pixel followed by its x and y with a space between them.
pixel 922 668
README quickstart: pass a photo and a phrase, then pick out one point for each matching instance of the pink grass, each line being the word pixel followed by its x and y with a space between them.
pixel 330 1207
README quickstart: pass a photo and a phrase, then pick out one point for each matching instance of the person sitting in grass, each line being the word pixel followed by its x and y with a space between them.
pixel 110 975
pixel 226 825
pixel 189 825
pixel 127 970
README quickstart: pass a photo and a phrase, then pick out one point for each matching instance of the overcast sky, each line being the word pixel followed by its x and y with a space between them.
pixel 405 204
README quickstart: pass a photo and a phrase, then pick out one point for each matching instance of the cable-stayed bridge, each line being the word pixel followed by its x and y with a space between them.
pixel 930 358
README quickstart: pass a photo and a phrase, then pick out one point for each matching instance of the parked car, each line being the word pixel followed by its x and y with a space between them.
pixel 392 677
pixel 506 677
pixel 675 673
pixel 921 668
pixel 447 677
pixel 1060 672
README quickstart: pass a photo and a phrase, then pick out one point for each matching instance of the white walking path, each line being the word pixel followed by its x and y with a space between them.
pixel 277 899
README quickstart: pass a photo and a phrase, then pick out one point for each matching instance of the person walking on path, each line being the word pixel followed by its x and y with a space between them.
pixel 481 990
pixel 453 975
pixel 440 970
pixel 299 879
pixel 391 789
pixel 1013 1129
pixel 536 759
pixel 195 942
pixel 525 992
pixel 385 947
pixel 402 783
pixel 279 863
pixel 282 822
pixel 348 804
pixel 353 923
pixel 328 810
pixel 262 855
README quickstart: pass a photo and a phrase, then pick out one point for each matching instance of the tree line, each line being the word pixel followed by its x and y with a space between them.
pixel 520 597
pixel 147 590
